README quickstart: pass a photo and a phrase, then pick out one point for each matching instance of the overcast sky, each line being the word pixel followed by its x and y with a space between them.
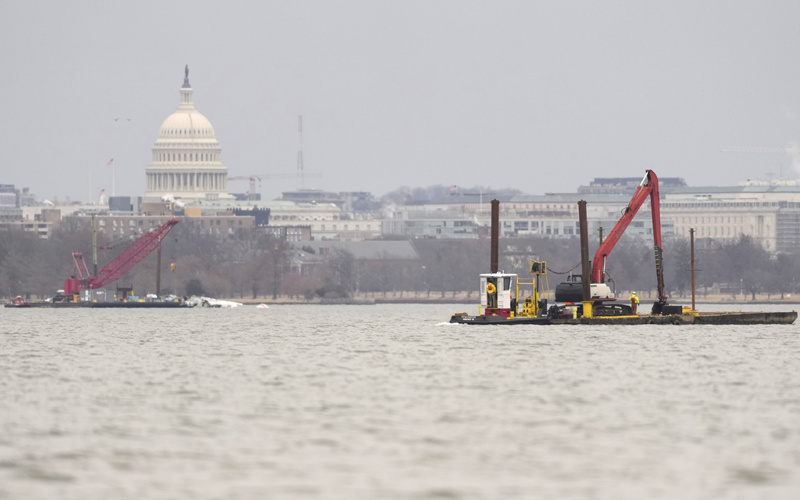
pixel 538 96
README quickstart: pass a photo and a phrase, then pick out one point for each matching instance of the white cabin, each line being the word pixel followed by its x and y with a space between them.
pixel 504 286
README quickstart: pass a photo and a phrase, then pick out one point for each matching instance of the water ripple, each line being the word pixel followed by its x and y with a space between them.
pixel 390 402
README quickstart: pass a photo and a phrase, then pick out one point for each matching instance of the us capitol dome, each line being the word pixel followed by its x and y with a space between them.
pixel 186 156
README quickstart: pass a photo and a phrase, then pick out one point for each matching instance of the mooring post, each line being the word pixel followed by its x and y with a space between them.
pixel 691 252
pixel 495 235
pixel 158 270
pixel 585 264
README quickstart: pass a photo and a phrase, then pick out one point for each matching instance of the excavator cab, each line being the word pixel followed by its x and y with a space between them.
pixel 571 290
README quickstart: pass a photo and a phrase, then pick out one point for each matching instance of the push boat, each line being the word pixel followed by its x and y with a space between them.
pixel 500 304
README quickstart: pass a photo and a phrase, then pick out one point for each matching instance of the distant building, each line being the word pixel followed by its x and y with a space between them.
pixel 627 185
pixel 120 204
pixel 187 160
pixel 9 204
pixel 768 213
pixel 549 215
pixel 42 229
pixel 289 233
pixel 313 196
pixel 260 215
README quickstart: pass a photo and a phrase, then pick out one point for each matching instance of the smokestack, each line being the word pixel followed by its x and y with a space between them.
pixel 495 235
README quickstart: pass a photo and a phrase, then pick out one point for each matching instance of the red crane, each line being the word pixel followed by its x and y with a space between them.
pixel 118 266
pixel 647 188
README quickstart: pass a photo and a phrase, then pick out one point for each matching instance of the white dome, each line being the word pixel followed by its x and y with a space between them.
pixel 186 124
pixel 187 159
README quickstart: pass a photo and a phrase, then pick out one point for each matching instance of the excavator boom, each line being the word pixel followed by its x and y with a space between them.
pixel 647 188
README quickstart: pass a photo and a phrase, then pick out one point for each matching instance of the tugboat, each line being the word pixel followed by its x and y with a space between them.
pixel 18 301
pixel 501 292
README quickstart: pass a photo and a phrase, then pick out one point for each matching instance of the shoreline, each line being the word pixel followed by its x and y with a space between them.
pixel 465 298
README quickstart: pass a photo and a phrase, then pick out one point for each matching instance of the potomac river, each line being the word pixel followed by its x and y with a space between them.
pixel 391 402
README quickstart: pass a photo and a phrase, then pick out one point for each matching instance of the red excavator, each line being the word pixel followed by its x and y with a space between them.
pixel 601 293
pixel 118 266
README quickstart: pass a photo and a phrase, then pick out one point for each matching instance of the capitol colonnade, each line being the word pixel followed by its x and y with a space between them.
pixel 186 182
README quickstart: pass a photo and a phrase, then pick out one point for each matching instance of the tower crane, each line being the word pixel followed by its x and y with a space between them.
pixel 253 178
pixel 251 195
pixel 300 175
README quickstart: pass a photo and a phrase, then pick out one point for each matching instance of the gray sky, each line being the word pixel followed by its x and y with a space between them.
pixel 539 96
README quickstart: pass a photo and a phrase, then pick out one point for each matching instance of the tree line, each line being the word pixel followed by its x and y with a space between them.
pixel 253 264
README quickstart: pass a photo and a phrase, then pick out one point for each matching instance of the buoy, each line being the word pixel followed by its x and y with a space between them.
pixel 262 306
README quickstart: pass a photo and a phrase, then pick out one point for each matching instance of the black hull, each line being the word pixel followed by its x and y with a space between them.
pixel 497 320
pixel 101 305
pixel 723 318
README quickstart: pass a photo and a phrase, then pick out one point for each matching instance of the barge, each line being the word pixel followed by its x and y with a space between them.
pixel 589 299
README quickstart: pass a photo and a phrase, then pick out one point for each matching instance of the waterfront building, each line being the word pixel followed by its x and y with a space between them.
pixel 551 215
pixel 767 212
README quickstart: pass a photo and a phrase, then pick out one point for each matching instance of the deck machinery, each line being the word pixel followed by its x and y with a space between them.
pixel 500 291
pixel 590 299
pixel 601 294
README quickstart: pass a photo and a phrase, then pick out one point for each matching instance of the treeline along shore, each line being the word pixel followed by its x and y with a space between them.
pixel 249 265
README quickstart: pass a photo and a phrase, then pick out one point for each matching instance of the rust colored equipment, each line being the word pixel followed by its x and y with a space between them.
pixel 118 266
pixel 647 188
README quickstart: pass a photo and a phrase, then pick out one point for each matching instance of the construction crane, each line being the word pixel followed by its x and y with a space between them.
pixel 251 195
pixel 119 265
pixel 300 174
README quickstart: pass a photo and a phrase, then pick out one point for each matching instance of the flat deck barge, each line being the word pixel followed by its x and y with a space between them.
pixel 100 305
pixel 703 318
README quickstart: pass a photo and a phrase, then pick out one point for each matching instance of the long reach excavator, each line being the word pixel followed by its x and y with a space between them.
pixel 601 293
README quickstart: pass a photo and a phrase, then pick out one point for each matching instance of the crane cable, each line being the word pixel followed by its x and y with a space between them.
pixel 565 272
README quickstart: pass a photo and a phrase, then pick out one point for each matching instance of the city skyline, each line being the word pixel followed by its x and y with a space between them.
pixel 533 96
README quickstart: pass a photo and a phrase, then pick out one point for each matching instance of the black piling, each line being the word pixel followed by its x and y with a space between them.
pixel 495 235
pixel 585 264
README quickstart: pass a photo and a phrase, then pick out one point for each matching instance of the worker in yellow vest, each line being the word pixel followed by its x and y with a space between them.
pixel 491 295
pixel 634 303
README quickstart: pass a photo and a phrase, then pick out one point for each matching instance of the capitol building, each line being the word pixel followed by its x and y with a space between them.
pixel 187 160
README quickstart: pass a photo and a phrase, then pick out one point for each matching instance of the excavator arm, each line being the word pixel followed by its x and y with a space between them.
pixel 131 256
pixel 647 188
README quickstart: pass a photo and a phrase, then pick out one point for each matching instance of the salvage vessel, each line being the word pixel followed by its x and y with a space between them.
pixel 588 299
pixel 85 289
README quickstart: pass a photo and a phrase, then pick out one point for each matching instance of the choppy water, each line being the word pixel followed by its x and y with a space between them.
pixel 390 402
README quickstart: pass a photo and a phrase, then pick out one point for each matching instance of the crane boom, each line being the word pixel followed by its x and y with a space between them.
pixel 647 188
pixel 120 264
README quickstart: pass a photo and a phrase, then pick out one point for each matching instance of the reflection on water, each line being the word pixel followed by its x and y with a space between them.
pixel 391 402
